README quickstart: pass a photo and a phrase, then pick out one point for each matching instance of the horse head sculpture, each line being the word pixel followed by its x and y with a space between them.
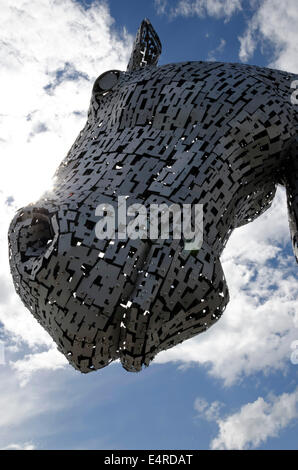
pixel 216 134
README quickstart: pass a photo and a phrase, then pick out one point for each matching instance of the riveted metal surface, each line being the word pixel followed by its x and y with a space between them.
pixel 217 134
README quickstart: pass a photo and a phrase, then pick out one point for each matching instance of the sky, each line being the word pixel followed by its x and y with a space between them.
pixel 233 387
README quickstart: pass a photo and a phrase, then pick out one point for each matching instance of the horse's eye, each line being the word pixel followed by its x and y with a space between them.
pixel 105 82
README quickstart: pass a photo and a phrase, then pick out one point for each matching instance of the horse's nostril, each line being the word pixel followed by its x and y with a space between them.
pixel 35 235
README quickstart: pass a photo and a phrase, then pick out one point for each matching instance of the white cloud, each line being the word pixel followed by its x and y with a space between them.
pixel 256 330
pixel 160 6
pixel 273 23
pixel 248 43
pixel 208 412
pixel 38 40
pixel 215 8
pixel 27 411
pixel 46 360
pixel 23 446
pixel 212 55
pixel 255 422
pixel 20 404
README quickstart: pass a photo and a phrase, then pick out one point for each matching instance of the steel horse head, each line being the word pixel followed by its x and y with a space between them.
pixel 221 135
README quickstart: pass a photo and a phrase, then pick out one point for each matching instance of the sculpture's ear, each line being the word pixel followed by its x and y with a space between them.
pixel 291 184
pixel 146 49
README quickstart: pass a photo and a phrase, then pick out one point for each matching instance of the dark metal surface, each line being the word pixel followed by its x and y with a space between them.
pixel 222 135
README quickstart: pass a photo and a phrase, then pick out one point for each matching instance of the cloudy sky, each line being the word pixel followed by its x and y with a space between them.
pixel 233 387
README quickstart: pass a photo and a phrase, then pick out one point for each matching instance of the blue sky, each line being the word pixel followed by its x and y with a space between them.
pixel 232 387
